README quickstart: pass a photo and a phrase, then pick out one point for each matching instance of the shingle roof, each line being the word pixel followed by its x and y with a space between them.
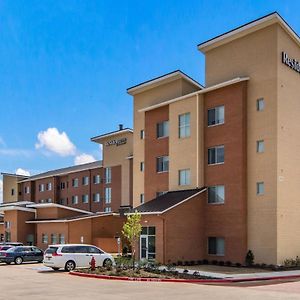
pixel 67 170
pixel 166 201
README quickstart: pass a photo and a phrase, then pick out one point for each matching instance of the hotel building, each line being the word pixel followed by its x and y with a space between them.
pixel 210 167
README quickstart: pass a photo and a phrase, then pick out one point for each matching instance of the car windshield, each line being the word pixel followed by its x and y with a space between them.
pixel 5 247
pixel 13 249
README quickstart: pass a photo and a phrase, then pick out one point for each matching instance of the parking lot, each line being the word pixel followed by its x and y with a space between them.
pixel 33 281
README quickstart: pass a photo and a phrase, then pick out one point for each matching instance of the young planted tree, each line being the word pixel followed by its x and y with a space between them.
pixel 131 231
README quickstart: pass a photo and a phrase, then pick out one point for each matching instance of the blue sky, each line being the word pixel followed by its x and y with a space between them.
pixel 67 64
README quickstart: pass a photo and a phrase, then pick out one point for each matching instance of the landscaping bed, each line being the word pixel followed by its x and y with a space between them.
pixel 142 273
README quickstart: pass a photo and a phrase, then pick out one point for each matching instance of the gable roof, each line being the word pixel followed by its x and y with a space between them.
pixel 168 201
pixel 64 171
pixel 146 85
pixel 247 28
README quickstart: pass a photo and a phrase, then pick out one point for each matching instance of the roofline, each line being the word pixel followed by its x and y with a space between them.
pixel 47 205
pixel 146 84
pixel 105 135
pixel 71 220
pixel 171 207
pixel 61 174
pixel 274 15
pixel 16 203
pixel 13 175
pixel 14 207
pixel 205 90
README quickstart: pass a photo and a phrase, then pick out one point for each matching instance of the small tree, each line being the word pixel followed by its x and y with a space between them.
pixel 249 258
pixel 131 231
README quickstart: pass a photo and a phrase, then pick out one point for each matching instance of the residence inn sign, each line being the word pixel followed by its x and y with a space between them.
pixel 116 142
pixel 290 62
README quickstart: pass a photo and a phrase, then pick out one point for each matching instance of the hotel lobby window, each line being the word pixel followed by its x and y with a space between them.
pixel 162 129
pixel 216 194
pixel 44 238
pixel 216 155
pixel 215 116
pixel 184 177
pixel 184 125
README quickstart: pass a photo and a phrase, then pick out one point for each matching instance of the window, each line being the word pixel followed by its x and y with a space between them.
pixel 61 239
pixel 49 200
pixel 44 238
pixel 96 197
pixel 53 238
pixel 142 198
pixel 160 193
pixel 260 146
pixel 216 246
pixel 85 180
pixel 142 134
pixel 184 125
pixel 27 190
pixel 107 209
pixel 96 179
pixel 7 224
pixel 85 198
pixel 162 164
pixel 41 187
pixel 107 175
pixel 12 192
pixel 74 199
pixel 184 177
pixel 216 194
pixel 162 129
pixel 62 185
pixel 216 155
pixel 215 116
pixel 260 188
pixel 75 182
pixel 142 166
pixel 107 195
pixel 49 186
pixel 94 250
pixel 61 201
pixel 260 104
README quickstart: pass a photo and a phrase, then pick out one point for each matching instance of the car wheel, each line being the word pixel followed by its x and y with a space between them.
pixel 55 269
pixel 18 260
pixel 70 266
pixel 107 263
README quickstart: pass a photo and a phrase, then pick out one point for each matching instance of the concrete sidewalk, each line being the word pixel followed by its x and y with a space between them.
pixel 260 275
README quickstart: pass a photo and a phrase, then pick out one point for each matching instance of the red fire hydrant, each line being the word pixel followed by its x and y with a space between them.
pixel 93 264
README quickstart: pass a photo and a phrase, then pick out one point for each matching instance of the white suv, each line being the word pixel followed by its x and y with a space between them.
pixel 71 256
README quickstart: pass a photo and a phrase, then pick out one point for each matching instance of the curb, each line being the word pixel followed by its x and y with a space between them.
pixel 227 280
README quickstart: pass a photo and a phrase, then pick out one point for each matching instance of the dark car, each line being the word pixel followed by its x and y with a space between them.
pixel 4 247
pixel 18 255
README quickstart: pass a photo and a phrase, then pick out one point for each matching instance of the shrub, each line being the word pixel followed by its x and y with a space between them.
pixel 214 262
pixel 192 263
pixel 205 261
pixel 228 263
pixel 221 263
pixel 196 274
pixel 186 263
pixel 238 265
pixel 185 271
pixel 199 262
pixel 249 260
pixel 263 266
pixel 179 263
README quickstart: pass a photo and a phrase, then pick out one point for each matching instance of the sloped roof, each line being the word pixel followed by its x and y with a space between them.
pixel 167 201
pixel 63 171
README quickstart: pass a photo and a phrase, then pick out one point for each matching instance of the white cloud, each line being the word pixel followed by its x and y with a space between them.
pixel 56 142
pixel 23 172
pixel 84 159
pixel 1 191
pixel 2 142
